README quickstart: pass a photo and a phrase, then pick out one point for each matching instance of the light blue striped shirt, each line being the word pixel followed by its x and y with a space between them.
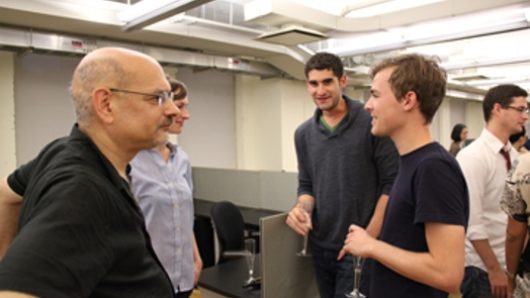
pixel 164 193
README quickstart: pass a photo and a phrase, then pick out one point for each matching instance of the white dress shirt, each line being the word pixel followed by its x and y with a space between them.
pixel 485 171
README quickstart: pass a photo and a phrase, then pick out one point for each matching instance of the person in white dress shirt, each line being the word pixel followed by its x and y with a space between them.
pixel 485 169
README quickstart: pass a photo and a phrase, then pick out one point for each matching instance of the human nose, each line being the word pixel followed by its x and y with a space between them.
pixel 320 89
pixel 185 113
pixel 525 114
pixel 368 105
pixel 171 109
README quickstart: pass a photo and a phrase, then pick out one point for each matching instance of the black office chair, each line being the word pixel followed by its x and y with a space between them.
pixel 229 227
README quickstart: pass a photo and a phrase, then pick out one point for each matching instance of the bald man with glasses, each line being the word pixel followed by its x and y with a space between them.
pixel 80 232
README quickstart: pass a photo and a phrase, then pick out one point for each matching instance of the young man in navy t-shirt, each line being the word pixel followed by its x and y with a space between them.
pixel 420 251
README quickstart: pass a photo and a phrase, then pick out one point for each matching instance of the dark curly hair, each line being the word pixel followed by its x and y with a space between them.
pixel 323 61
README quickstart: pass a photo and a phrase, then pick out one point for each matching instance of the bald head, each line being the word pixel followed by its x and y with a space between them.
pixel 105 67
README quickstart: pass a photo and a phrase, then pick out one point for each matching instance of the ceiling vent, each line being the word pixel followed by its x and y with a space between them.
pixel 292 35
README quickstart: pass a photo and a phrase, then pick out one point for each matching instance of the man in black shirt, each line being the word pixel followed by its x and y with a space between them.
pixel 80 232
pixel 420 250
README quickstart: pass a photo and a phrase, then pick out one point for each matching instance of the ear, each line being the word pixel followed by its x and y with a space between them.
pixel 343 81
pixel 101 102
pixel 497 108
pixel 409 101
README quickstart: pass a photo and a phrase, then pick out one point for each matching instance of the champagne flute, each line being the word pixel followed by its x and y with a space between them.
pixel 357 268
pixel 250 255
pixel 307 208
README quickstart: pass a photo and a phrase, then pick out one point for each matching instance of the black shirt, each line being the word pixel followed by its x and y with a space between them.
pixel 81 233
pixel 430 187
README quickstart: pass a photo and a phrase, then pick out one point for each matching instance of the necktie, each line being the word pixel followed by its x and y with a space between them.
pixel 506 155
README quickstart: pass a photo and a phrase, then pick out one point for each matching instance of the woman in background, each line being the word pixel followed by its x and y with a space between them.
pixel 458 135
pixel 161 183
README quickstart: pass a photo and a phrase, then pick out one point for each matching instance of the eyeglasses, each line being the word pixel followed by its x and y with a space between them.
pixel 519 109
pixel 161 98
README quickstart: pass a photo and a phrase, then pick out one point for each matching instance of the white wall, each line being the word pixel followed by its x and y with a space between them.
pixel 43 107
pixel 44 110
pixel 258 123
pixel 297 106
pixel 209 136
pixel 474 118
pixel 7 113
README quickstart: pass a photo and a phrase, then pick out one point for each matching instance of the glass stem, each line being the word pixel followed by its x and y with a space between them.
pixel 356 278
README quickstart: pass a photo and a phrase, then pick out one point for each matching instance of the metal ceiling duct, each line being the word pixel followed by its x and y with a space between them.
pixel 26 39
pixel 145 18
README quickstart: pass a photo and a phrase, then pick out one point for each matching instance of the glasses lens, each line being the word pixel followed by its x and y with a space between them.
pixel 164 96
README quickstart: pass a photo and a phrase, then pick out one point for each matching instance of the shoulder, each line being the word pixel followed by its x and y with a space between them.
pixel 523 165
pixel 74 194
pixel 354 104
pixel 182 153
pixel 356 109
pixel 305 127
pixel 435 158
pixel 438 171
pixel 81 181
pixel 141 158
pixel 474 155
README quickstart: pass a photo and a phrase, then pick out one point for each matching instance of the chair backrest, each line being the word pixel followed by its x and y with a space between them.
pixel 229 226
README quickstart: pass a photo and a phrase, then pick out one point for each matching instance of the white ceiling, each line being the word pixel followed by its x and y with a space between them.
pixel 492 48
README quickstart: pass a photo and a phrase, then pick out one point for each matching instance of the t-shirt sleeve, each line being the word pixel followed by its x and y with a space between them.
pixel 387 162
pixel 440 193
pixel 18 180
pixel 63 250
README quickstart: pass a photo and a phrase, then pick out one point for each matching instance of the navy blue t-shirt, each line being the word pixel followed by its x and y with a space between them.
pixel 430 187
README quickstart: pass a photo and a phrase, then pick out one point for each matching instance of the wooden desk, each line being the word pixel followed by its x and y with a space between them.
pixel 226 280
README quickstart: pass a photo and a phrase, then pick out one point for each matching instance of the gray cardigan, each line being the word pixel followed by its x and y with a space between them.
pixel 345 171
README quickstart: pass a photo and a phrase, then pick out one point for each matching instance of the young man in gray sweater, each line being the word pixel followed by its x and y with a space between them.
pixel 345 173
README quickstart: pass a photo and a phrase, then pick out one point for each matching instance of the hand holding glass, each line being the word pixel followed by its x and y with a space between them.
pixel 357 268
pixel 308 209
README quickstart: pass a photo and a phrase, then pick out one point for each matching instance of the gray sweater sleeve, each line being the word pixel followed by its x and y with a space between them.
pixel 387 162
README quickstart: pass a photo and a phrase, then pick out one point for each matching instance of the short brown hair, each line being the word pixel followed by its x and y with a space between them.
pixel 419 74
pixel 501 94
pixel 179 89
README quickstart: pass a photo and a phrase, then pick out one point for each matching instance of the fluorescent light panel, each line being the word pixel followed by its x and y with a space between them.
pixel 492 21
pixel 388 7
